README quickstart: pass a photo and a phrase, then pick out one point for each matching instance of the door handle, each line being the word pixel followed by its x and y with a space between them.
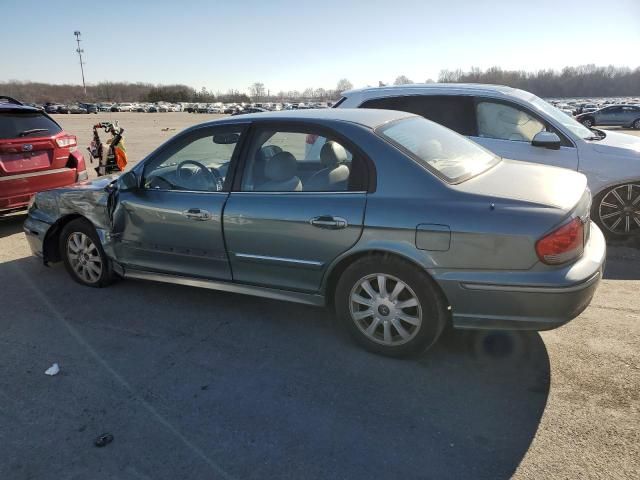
pixel 197 214
pixel 329 222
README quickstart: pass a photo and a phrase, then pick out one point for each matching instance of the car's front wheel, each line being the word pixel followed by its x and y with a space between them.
pixel 636 124
pixel 617 210
pixel 83 255
pixel 389 306
pixel 587 122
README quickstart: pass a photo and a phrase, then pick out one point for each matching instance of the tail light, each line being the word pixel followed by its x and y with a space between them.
pixel 563 244
pixel 311 139
pixel 66 141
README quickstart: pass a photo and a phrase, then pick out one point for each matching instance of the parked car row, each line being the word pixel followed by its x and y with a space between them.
pixel 236 108
pixel 612 112
pixel 146 107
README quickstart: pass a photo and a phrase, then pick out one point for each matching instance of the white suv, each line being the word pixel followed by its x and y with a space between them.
pixel 518 125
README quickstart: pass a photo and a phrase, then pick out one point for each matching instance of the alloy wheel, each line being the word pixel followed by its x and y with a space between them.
pixel 619 209
pixel 636 124
pixel 84 257
pixel 385 309
pixel 587 123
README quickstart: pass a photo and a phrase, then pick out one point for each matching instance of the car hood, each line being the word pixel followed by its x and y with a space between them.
pixel 530 183
pixel 96 184
pixel 616 143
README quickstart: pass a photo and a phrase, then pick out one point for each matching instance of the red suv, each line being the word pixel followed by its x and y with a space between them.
pixel 35 154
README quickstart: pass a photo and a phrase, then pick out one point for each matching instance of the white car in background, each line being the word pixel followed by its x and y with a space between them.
pixel 519 125
pixel 126 107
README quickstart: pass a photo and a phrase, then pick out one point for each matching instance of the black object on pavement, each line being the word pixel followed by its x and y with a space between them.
pixel 103 440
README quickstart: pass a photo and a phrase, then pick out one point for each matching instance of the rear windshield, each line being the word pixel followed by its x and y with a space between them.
pixel 445 152
pixel 26 124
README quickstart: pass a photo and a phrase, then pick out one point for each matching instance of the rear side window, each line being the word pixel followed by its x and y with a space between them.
pixel 454 112
pixel 26 124
pixel 451 156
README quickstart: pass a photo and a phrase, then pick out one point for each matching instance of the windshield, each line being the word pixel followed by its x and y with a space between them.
pixel 439 149
pixel 562 118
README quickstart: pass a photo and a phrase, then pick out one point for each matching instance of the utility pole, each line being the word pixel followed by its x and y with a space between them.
pixel 80 51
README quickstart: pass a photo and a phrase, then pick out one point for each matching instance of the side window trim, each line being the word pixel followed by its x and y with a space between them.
pixel 566 142
pixel 369 173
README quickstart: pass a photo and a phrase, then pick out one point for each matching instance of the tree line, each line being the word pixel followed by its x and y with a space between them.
pixel 581 81
pixel 38 92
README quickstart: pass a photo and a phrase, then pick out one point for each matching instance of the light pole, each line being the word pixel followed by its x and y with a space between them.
pixel 80 51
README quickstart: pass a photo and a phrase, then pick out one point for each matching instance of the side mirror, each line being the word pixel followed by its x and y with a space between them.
pixel 127 181
pixel 546 140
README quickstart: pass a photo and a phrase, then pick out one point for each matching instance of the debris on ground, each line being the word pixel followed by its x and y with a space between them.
pixel 103 440
pixel 52 370
pixel 167 129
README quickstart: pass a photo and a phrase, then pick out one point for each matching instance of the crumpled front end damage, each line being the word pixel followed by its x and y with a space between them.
pixel 53 209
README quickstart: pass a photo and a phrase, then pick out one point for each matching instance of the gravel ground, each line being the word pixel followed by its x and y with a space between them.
pixel 200 384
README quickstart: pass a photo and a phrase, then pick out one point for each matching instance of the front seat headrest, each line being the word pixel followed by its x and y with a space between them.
pixel 333 154
pixel 282 166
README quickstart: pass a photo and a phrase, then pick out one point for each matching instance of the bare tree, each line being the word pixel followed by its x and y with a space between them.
pixel 343 85
pixel 257 91
pixel 402 80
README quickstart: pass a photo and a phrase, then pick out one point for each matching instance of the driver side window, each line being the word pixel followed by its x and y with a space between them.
pixel 195 162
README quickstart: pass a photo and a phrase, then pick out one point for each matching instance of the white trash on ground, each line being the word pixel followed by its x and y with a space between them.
pixel 52 370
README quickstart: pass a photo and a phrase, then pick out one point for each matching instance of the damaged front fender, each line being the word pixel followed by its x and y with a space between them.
pixel 94 201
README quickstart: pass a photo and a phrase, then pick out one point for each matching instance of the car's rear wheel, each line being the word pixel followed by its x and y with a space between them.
pixel 587 122
pixel 83 255
pixel 636 124
pixel 617 210
pixel 389 306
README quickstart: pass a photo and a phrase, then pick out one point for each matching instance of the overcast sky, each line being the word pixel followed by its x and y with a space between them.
pixel 290 44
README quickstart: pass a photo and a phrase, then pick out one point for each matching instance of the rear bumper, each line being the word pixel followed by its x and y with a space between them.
pixel 532 300
pixel 17 190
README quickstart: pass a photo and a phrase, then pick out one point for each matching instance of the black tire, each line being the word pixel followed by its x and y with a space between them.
pixel 636 124
pixel 608 225
pixel 432 307
pixel 588 122
pixel 84 227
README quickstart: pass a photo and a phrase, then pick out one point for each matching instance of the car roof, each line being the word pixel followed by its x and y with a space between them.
pixel 367 117
pixel 14 107
pixel 436 88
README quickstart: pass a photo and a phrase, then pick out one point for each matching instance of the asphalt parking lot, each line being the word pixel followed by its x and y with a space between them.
pixel 199 384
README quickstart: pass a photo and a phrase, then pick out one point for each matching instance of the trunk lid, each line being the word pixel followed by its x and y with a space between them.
pixel 532 183
pixel 26 156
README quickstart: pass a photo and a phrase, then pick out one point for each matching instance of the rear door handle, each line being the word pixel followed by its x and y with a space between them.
pixel 197 214
pixel 329 222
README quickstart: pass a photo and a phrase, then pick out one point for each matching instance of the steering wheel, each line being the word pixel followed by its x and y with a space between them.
pixel 203 178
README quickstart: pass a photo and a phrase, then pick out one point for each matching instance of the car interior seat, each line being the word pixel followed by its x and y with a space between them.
pixel 506 123
pixel 280 171
pixel 335 174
